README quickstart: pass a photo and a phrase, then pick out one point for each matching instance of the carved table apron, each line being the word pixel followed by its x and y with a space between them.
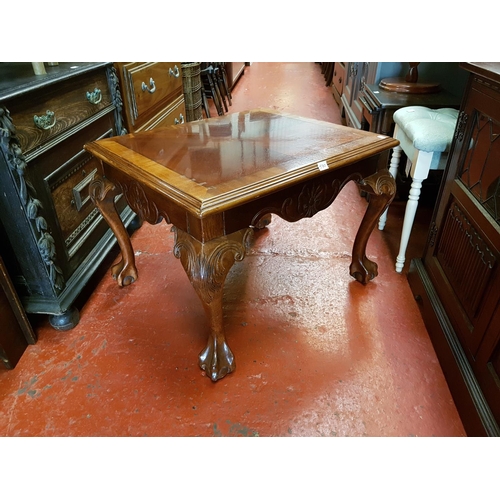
pixel 218 180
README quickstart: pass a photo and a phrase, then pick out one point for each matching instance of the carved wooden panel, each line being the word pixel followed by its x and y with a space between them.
pixel 466 259
pixel 69 190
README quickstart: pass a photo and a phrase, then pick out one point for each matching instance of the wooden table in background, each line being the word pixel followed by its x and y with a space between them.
pixel 218 180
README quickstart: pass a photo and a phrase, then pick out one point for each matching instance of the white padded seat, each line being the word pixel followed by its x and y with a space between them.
pixel 425 135
pixel 428 129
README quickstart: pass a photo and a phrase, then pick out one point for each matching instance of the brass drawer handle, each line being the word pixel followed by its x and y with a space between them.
pixel 94 97
pixel 174 72
pixel 46 121
pixel 178 121
pixel 151 88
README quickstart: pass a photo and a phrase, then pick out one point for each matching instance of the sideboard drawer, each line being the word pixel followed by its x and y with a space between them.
pixel 173 115
pixel 149 87
pixel 48 113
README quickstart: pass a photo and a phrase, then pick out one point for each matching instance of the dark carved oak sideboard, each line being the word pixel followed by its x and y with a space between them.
pixel 56 238
pixel 457 282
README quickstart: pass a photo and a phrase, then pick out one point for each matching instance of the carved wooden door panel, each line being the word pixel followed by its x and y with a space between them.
pixel 463 250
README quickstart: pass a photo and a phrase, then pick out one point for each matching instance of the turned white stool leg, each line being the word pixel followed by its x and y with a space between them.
pixel 393 169
pixel 411 209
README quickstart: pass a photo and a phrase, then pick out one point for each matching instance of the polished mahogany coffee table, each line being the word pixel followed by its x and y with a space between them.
pixel 218 180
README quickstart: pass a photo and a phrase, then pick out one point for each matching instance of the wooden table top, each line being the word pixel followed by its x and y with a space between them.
pixel 211 165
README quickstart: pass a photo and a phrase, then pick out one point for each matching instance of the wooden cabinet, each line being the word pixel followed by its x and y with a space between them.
pixel 355 77
pixel 338 81
pixel 58 237
pixel 457 282
pixel 153 94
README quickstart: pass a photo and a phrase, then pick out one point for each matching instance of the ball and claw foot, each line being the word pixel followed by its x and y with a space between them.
pixel 363 271
pixel 216 360
pixel 124 274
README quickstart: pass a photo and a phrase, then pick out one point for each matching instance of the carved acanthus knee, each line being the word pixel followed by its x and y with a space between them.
pixel 207 265
pixel 381 183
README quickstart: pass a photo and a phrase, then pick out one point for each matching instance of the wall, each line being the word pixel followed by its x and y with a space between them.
pixel 449 74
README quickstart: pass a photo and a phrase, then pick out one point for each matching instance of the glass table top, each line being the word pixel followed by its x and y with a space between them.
pixel 215 151
pixel 237 156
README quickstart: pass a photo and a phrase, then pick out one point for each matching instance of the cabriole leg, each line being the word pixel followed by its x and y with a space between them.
pixel 207 265
pixel 382 188
pixel 102 193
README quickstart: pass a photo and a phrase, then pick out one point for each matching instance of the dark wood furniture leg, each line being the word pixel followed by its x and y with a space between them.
pixel 102 193
pixel 382 188
pixel 207 265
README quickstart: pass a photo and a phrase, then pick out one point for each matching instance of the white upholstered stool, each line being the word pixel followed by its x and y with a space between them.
pixel 425 136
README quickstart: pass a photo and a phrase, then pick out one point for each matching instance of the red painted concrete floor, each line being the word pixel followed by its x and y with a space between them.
pixel 317 353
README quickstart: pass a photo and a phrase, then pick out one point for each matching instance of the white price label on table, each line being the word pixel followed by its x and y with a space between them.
pixel 322 165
